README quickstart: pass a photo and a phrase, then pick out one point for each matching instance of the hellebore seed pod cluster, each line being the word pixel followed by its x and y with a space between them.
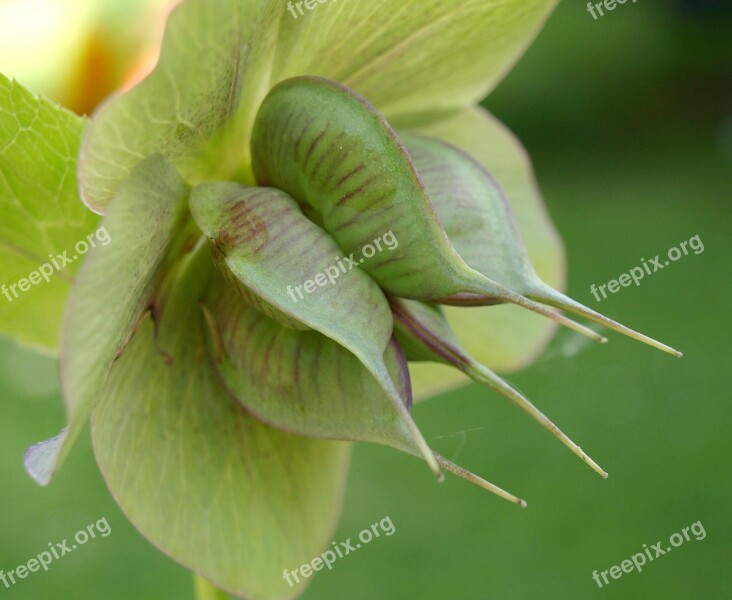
pixel 220 401
pixel 332 175
pixel 285 249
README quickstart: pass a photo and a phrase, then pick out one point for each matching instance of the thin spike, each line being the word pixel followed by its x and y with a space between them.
pixel 484 375
pixel 507 296
pixel 557 317
pixel 479 481
pixel 451 353
pixel 550 296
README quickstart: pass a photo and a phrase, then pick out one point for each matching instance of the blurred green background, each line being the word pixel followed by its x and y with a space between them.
pixel 629 122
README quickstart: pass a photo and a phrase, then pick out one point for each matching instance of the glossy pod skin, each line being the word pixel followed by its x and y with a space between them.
pixel 331 150
pixel 263 241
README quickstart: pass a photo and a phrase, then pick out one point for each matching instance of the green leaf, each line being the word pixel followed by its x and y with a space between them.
pixel 478 221
pixel 302 381
pixel 223 494
pixel 426 336
pixel 186 109
pixel 275 251
pixel 410 56
pixel 114 288
pixel 41 212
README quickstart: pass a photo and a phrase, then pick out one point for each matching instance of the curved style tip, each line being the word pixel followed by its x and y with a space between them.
pixel 482 374
pixel 479 481
pixel 547 295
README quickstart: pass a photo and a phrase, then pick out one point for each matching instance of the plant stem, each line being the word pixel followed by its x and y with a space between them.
pixel 206 591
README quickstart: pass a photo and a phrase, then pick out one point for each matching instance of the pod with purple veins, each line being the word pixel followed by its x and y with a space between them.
pixel 267 244
pixel 333 152
pixel 478 220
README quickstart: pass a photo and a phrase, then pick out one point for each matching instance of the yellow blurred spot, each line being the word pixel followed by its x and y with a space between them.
pixel 78 52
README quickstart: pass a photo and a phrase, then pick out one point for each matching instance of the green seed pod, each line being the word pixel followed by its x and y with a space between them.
pixel 479 222
pixel 270 247
pixel 332 151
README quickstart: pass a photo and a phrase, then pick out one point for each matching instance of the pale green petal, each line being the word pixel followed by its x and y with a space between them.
pixel 183 108
pixel 221 57
pixel 114 287
pixel 409 56
pixel 234 500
